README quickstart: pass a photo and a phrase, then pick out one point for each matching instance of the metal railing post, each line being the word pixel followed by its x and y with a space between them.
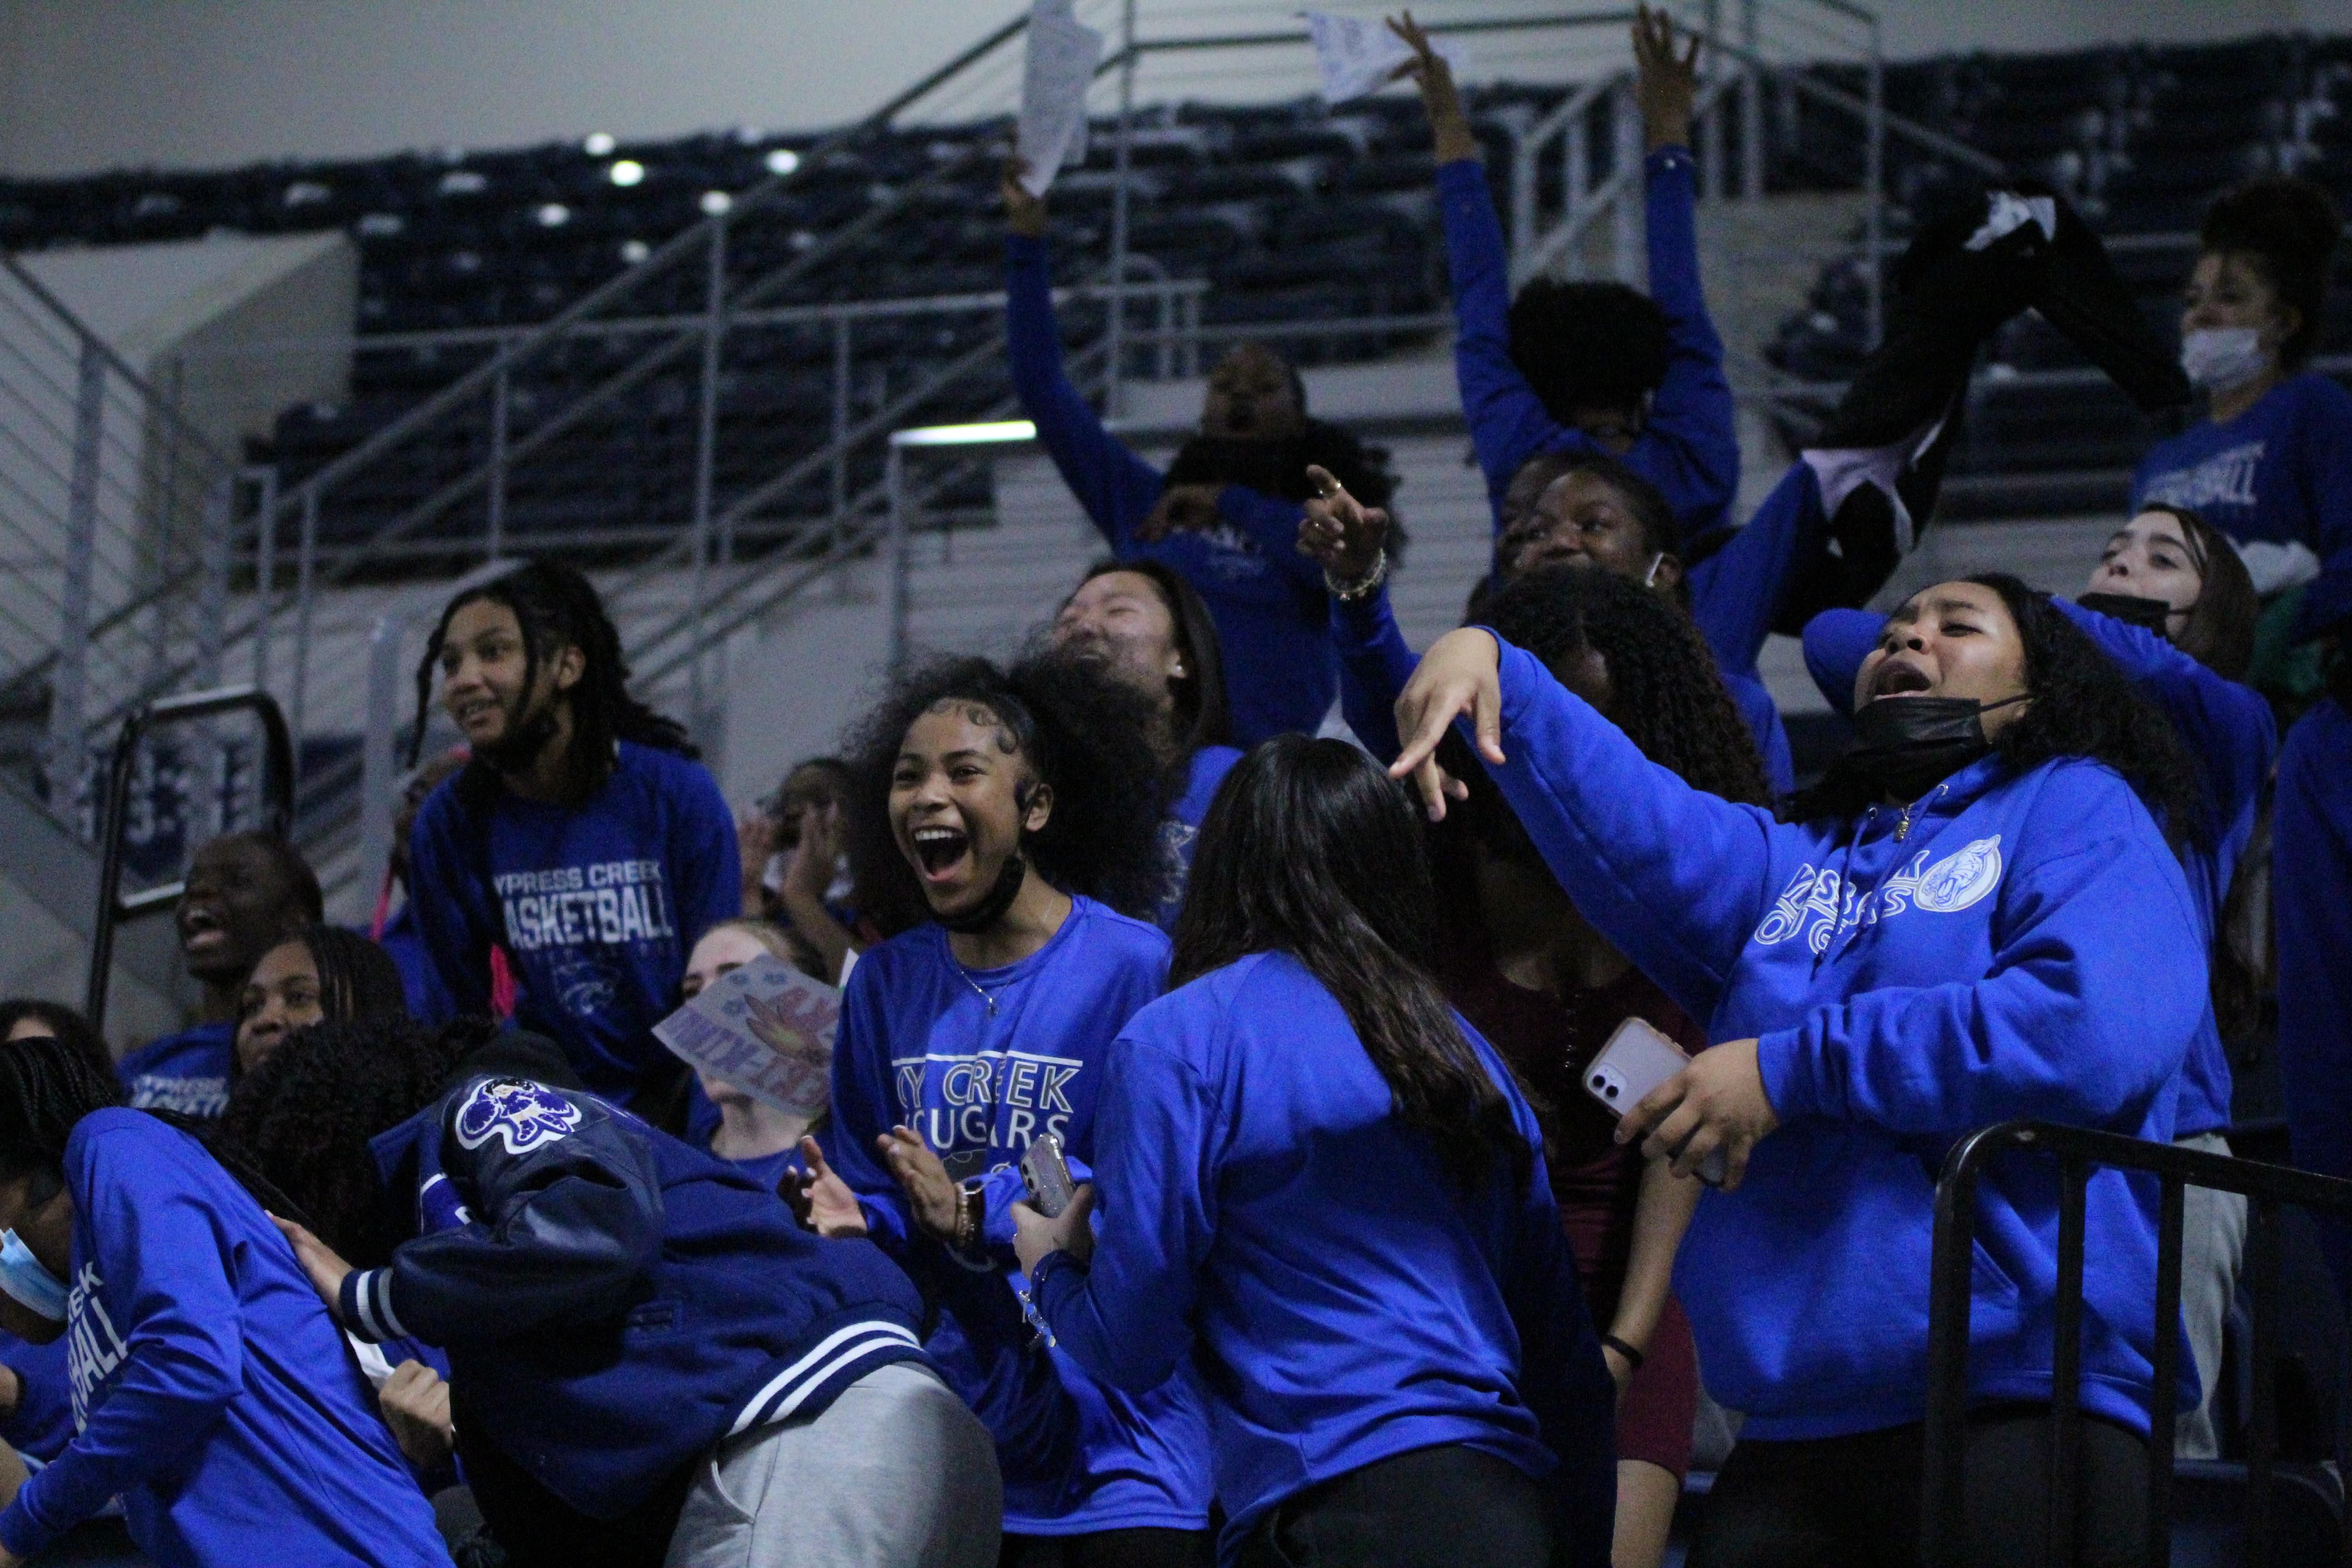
pixel 1874 157
pixel 264 570
pixel 305 575
pixel 706 440
pixel 1710 128
pixel 1115 383
pixel 1751 109
pixel 212 620
pixel 501 399
pixel 901 568
pixel 379 763
pixel 69 689
pixel 1626 170
pixel 1576 181
pixel 1523 198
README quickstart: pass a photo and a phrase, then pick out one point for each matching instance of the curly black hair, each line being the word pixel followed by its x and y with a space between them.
pixel 2083 707
pixel 557 607
pixel 304 1118
pixel 48 1084
pixel 1084 735
pixel 1586 345
pixel 2288 227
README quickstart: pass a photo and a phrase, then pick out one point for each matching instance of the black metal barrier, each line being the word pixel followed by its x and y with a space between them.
pixel 277 813
pixel 1944 1522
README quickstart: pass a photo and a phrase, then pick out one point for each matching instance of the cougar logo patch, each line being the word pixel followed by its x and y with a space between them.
pixel 519 1114
pixel 1957 880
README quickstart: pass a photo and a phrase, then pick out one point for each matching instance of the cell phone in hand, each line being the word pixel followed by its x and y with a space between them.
pixel 1635 1062
pixel 1047 1176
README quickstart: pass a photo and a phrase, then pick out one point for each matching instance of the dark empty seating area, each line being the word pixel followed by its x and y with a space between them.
pixel 1292 213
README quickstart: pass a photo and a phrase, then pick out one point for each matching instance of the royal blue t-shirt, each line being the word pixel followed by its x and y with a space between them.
pixel 2277 478
pixel 597 905
pixel 980 1062
pixel 1180 828
pixel 187 1073
pixel 211 1391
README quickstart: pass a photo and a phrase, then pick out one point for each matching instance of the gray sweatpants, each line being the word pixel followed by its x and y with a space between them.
pixel 895 1473
pixel 2213 1238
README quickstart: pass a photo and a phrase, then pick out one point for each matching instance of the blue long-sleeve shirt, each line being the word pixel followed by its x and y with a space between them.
pixel 2311 889
pixel 1265 1217
pixel 1690 447
pixel 2226 728
pixel 1266 599
pixel 2278 479
pixel 596 905
pixel 2007 946
pixel 213 1393
pixel 980 1062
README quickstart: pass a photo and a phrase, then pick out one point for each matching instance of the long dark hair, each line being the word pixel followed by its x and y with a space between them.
pixel 357 979
pixel 47 1086
pixel 2288 227
pixel 2083 707
pixel 557 607
pixel 2220 631
pixel 304 1118
pixel 1311 850
pixel 1203 716
pixel 1086 735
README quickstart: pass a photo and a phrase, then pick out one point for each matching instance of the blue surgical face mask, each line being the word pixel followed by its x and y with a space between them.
pixel 27 1281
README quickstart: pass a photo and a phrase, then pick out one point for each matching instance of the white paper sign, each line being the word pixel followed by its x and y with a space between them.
pixel 1357 56
pixel 766 1028
pixel 1063 53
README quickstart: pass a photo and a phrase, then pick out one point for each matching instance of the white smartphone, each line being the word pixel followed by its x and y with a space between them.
pixel 1048 1175
pixel 1637 1060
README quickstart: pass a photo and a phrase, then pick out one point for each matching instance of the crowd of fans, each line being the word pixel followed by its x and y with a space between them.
pixel 1357 1272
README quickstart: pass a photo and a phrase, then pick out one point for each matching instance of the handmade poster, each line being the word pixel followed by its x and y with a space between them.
pixel 766 1028
pixel 1052 132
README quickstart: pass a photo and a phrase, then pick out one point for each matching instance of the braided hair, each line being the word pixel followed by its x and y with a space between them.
pixel 48 1084
pixel 557 607
pixel 357 979
pixel 1084 733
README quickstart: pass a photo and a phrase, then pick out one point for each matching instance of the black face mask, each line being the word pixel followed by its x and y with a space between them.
pixel 991 909
pixel 2150 614
pixel 1905 746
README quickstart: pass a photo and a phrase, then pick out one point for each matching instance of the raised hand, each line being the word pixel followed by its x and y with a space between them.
pixel 1024 214
pixel 821 1200
pixel 1341 532
pixel 1448 125
pixel 1460 673
pixel 1668 84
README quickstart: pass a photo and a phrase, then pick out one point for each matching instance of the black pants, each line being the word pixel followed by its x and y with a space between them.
pixel 538 1529
pixel 1110 1549
pixel 1448 1507
pixel 1853 1502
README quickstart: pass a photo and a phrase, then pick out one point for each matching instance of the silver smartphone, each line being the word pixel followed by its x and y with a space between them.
pixel 1048 1175
pixel 1637 1060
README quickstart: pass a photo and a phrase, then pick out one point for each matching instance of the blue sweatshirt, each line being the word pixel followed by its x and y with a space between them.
pixel 1688 447
pixel 1266 599
pixel 2228 730
pixel 42 1424
pixel 2311 887
pixel 2006 946
pixel 1180 828
pixel 2278 477
pixel 613 1300
pixel 1265 1217
pixel 211 1391
pixel 187 1073
pixel 428 1000
pixel 597 906
pixel 980 1062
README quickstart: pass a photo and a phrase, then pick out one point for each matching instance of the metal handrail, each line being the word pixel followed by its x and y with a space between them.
pixel 278 794
pixel 1943 1509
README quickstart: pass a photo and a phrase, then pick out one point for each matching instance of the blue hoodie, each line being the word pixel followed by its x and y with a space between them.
pixel 2006 946
pixel 980 1062
pixel 2226 728
pixel 211 1391
pixel 1266 599
pixel 2278 475
pixel 2311 886
pixel 1690 447
pixel 187 1073
pixel 1266 1218
pixel 615 1301
pixel 1180 828
pixel 597 905
pixel 42 1424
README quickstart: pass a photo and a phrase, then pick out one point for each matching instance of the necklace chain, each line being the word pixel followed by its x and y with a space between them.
pixel 977 989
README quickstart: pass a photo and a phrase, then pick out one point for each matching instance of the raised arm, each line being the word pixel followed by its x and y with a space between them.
pixel 1345 541
pixel 566 1216
pixel 1675 877
pixel 1117 488
pixel 2081 1018
pixel 169 1312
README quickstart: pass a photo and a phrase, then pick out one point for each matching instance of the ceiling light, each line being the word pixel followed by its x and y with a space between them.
pixel 626 172
pixel 782 160
pixel 599 144
pixel 716 203
pixel 554 214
